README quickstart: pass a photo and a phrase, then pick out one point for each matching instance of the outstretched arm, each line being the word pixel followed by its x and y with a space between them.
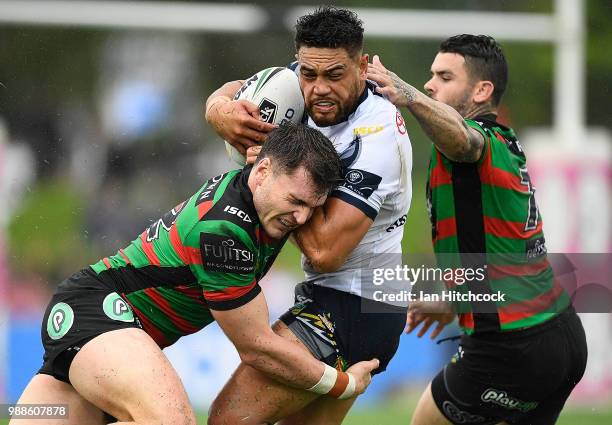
pixel 249 330
pixel 444 125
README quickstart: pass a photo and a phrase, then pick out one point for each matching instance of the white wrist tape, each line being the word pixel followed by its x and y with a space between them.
pixel 337 384
pixel 327 381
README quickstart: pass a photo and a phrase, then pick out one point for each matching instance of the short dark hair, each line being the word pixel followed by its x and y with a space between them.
pixel 330 27
pixel 484 59
pixel 290 146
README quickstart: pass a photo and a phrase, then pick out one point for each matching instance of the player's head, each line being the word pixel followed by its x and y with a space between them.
pixel 469 73
pixel 294 172
pixel 329 46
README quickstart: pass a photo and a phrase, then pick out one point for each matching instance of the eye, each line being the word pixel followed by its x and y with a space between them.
pixel 335 76
pixel 296 202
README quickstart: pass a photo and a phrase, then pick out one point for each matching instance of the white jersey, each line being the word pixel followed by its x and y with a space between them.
pixel 377 161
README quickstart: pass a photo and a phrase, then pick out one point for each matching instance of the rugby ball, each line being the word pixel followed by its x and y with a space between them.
pixel 277 93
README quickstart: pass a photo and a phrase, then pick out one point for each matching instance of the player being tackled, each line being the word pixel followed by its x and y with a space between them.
pixel 106 325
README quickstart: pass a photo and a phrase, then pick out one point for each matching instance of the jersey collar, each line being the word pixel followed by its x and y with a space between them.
pixel 241 184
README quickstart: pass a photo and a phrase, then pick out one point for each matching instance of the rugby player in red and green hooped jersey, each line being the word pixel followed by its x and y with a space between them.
pixel 105 326
pixel 519 358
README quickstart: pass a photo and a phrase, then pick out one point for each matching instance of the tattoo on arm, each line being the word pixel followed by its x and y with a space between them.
pixel 473 147
pixel 408 92
pixel 444 126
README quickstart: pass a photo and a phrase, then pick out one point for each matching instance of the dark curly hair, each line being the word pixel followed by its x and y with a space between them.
pixel 330 27
pixel 484 60
pixel 290 146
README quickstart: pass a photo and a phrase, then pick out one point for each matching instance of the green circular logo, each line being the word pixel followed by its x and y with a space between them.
pixel 60 320
pixel 117 308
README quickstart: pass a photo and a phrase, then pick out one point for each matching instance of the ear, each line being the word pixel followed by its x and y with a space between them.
pixel 262 170
pixel 483 92
pixel 363 66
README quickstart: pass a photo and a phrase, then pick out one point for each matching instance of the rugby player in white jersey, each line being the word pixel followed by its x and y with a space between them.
pixel 359 228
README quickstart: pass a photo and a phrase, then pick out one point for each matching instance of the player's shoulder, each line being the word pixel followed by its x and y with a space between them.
pixel 376 118
pixel 374 114
pixel 375 105
pixel 225 205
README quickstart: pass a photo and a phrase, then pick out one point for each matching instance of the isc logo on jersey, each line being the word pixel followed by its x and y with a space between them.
pixel 238 212
pixel 276 91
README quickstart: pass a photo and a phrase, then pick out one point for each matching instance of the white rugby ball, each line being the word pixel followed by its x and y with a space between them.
pixel 277 93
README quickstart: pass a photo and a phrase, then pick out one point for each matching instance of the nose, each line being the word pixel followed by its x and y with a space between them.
pixel 429 87
pixel 302 215
pixel 321 88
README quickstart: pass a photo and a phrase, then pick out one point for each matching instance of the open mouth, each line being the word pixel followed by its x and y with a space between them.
pixel 324 106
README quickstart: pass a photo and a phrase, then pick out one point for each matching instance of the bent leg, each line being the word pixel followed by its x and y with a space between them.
pixel 126 374
pixel 45 389
pixel 427 412
pixel 250 397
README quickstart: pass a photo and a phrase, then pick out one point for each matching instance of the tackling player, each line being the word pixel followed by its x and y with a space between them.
pixel 106 325
pixel 520 359
pixel 358 229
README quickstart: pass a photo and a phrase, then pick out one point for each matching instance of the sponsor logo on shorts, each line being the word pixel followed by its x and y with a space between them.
pixel 458 355
pixel 302 300
pixel 224 254
pixel 117 308
pixel 501 398
pixel 60 320
pixel 459 416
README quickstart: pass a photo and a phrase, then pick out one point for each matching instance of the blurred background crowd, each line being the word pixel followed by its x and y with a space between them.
pixel 101 132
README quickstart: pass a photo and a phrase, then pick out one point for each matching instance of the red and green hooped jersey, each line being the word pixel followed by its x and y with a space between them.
pixel 485 213
pixel 208 252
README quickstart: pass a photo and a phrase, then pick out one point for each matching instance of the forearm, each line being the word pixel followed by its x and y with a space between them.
pixel 285 362
pixel 443 124
pixel 225 93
